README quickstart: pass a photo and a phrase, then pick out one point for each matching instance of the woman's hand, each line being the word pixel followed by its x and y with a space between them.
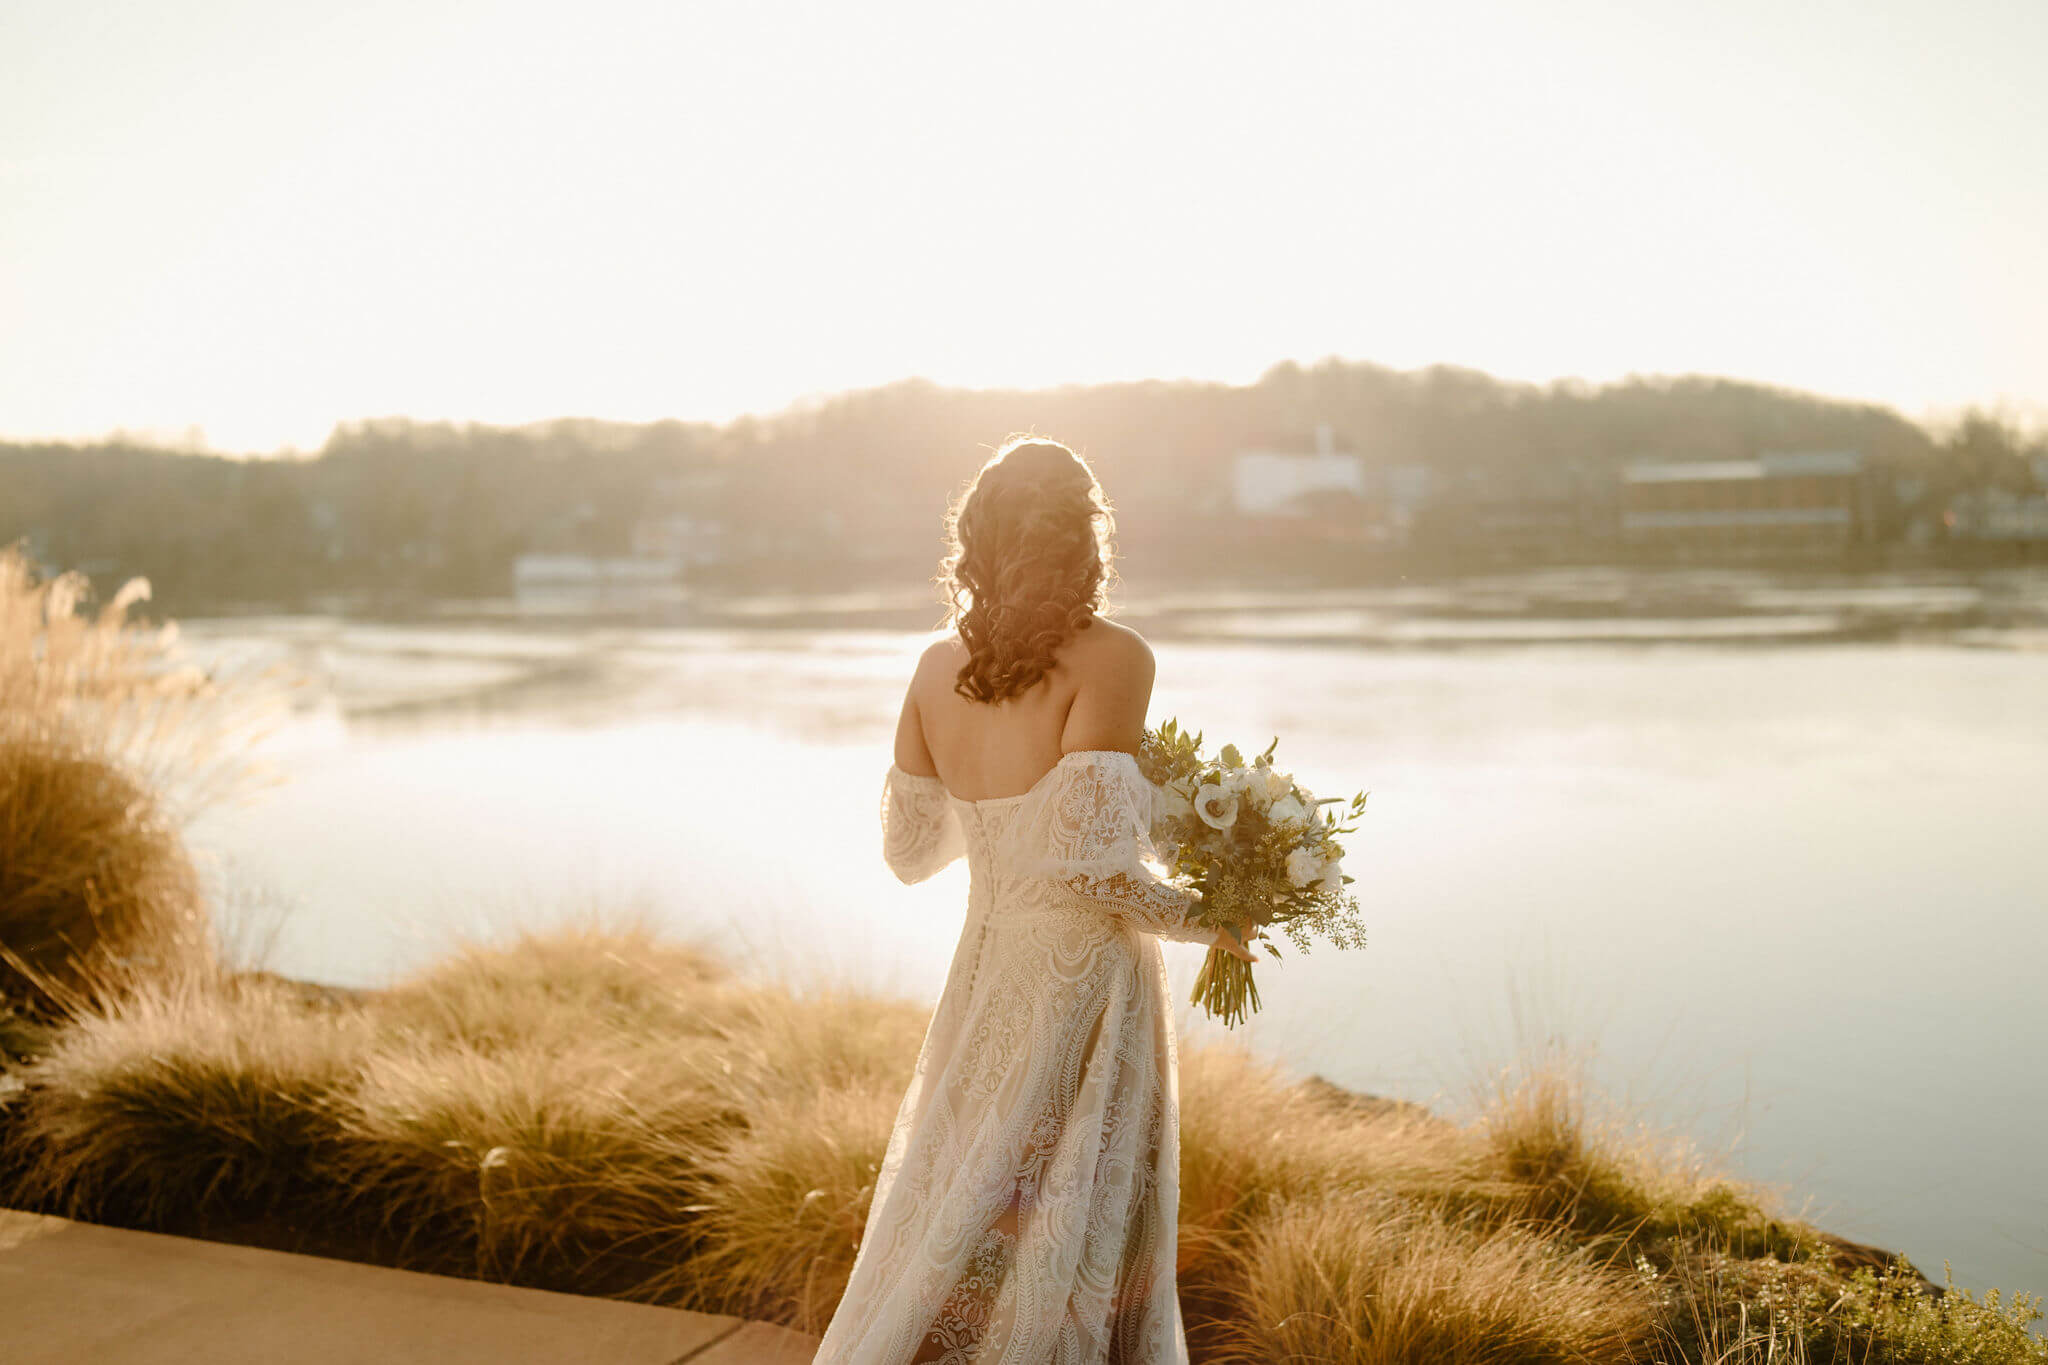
pixel 1228 941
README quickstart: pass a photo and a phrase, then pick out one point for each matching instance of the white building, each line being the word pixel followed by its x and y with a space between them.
pixel 1278 483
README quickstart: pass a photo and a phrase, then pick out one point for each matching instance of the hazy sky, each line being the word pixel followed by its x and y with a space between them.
pixel 260 218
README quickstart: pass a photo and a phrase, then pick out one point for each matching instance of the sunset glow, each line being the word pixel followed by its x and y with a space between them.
pixel 261 219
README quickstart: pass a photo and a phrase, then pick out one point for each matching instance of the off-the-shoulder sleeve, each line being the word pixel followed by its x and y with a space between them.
pixel 1091 836
pixel 920 829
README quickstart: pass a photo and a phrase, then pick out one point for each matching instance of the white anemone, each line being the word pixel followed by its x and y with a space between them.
pixel 1216 806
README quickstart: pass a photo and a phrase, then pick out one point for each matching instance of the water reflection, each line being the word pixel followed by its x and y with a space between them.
pixel 1794 894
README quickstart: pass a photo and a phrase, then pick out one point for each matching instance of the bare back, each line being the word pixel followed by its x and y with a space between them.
pixel 1095 697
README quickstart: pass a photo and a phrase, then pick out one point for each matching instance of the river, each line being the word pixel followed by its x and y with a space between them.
pixel 1788 892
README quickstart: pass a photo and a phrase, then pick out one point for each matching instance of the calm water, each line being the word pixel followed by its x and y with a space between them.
pixel 1791 894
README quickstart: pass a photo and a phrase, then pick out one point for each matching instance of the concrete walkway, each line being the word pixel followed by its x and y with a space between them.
pixel 76 1292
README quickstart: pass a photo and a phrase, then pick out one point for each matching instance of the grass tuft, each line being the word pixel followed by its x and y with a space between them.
pixel 575 985
pixel 110 738
pixel 95 886
pixel 1618 1185
pixel 1382 1280
pixel 785 1205
pixel 531 1164
pixel 594 1110
pixel 192 1099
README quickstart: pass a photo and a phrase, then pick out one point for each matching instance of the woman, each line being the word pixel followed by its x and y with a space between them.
pixel 1025 1211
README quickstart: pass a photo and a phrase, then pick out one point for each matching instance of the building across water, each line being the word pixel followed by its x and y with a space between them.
pixel 1796 501
pixel 1327 495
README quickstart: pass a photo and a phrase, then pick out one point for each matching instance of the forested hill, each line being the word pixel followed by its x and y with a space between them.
pixel 394 506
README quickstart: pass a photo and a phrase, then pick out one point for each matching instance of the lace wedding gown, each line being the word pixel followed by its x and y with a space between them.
pixel 1025 1210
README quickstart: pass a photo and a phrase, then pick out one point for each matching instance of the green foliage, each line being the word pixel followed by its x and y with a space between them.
pixel 1724 1308
pixel 1908 1327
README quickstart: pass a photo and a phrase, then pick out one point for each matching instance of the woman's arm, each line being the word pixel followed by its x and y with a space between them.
pixel 912 754
pixel 1109 710
pixel 920 829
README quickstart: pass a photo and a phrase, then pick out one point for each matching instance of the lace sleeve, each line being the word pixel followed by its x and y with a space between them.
pixel 1091 832
pixel 920 829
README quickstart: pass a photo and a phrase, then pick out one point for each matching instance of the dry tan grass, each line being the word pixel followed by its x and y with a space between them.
pixel 542 1111
pixel 785 1204
pixel 597 1111
pixel 184 1097
pixel 130 693
pixel 577 1110
pixel 1379 1280
pixel 1614 1181
pixel 95 885
pixel 785 1042
pixel 1249 1137
pixel 110 737
pixel 570 985
pixel 532 1163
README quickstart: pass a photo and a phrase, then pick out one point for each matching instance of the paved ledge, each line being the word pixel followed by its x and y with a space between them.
pixel 77 1292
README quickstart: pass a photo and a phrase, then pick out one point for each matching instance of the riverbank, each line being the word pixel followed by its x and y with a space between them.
pixel 608 1113
pixel 603 1112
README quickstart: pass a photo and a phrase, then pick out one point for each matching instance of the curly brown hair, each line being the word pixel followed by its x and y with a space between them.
pixel 1030 564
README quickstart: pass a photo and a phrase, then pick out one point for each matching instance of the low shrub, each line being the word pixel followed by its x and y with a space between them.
pixel 110 738
pixel 555 1167
pixel 785 1204
pixel 95 884
pixel 194 1098
pixel 1717 1307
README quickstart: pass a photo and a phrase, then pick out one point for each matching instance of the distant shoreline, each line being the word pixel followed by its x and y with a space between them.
pixel 1983 609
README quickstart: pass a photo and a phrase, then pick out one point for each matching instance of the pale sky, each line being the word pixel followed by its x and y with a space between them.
pixel 261 218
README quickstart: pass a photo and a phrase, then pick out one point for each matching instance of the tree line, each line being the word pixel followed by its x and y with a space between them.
pixel 853 487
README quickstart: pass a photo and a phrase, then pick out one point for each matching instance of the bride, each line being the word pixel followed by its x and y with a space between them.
pixel 1025 1210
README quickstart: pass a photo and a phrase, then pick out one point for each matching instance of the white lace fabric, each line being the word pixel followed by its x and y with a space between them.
pixel 1025 1209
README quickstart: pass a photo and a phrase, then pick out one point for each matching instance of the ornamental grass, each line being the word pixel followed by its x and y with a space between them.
pixel 601 1111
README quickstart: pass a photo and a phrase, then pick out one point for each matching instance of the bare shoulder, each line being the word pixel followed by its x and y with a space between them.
pixel 940 663
pixel 1109 649
pixel 1113 675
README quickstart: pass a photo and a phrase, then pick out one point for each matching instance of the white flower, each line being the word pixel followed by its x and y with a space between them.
pixel 1237 781
pixel 1303 867
pixel 1216 806
pixel 1174 804
pixel 1332 879
pixel 1288 809
pixel 1278 784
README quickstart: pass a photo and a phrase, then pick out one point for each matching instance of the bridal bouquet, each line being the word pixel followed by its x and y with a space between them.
pixel 1258 847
